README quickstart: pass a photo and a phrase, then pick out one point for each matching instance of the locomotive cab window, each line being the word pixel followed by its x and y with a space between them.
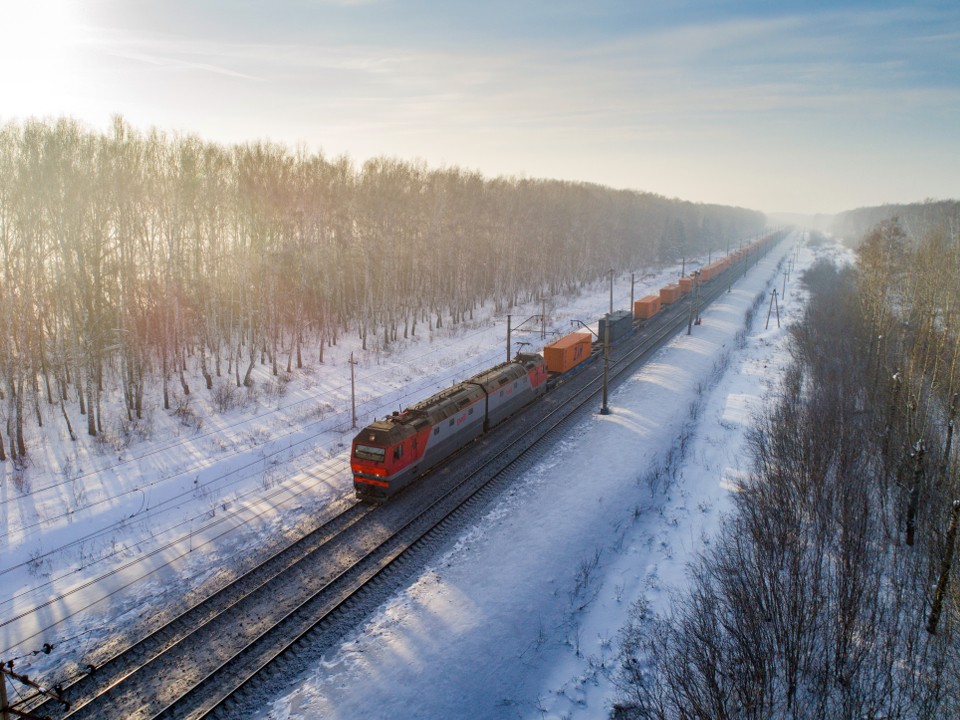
pixel 397 452
pixel 370 453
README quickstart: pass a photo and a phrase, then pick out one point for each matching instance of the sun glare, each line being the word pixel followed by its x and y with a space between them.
pixel 37 40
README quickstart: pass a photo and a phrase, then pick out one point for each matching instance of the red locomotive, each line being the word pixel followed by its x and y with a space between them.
pixel 389 454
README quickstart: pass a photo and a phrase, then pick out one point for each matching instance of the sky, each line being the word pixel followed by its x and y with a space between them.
pixel 808 107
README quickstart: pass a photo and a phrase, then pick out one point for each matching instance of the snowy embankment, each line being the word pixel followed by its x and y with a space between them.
pixel 102 538
pixel 520 618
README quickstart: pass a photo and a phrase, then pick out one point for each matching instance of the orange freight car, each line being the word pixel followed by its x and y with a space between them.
pixel 669 294
pixel 686 284
pixel 646 307
pixel 567 352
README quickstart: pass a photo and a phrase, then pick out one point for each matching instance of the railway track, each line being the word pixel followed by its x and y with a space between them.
pixel 206 660
pixel 92 686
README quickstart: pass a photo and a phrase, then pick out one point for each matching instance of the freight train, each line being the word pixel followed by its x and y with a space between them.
pixel 389 454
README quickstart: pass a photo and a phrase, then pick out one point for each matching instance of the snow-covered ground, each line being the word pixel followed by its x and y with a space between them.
pixel 518 620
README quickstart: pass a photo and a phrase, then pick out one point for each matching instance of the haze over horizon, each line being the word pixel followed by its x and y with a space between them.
pixel 785 107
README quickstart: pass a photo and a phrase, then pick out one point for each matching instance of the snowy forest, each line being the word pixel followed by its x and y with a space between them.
pixel 829 592
pixel 915 219
pixel 132 257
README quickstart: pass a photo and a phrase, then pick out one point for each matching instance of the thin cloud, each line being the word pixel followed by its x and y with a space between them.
pixel 179 64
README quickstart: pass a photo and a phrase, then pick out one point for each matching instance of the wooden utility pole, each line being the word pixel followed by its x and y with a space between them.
pixel 694 300
pixel 6 709
pixel 353 391
pixel 604 408
pixel 696 283
pixel 611 290
pixel 508 337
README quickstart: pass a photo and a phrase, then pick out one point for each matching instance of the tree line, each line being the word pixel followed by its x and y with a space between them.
pixel 915 218
pixel 143 259
pixel 832 590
